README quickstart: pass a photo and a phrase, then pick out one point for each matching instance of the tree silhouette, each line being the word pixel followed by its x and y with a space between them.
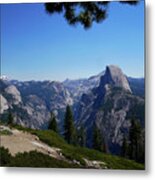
pixel 69 129
pixel 135 137
pixel 5 157
pixel 124 152
pixel 53 123
pixel 10 118
pixel 97 139
pixel 81 136
pixel 84 13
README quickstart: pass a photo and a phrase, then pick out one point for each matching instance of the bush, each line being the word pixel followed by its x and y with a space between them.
pixel 5 157
pixel 5 132
pixel 38 159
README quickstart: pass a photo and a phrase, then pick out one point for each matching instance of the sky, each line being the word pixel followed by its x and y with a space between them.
pixel 37 46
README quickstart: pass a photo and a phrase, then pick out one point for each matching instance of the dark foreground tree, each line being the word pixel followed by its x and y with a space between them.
pixel 136 146
pixel 98 140
pixel 124 152
pixel 10 118
pixel 84 13
pixel 5 157
pixel 53 123
pixel 69 129
pixel 81 135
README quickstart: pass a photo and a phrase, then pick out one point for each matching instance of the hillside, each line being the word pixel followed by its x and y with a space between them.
pixel 44 148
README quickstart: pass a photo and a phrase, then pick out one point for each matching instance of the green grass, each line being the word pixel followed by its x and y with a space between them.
pixel 31 159
pixel 113 162
pixel 37 159
pixel 78 153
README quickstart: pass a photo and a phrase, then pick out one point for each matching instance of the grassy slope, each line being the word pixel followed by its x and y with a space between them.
pixel 31 159
pixel 37 159
pixel 78 153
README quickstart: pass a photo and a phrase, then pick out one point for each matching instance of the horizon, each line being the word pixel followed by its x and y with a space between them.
pixel 37 46
pixel 5 77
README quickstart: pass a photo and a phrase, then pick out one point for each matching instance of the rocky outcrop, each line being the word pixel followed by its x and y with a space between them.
pixel 31 102
pixel 3 104
pixel 9 96
pixel 114 76
pixel 14 94
pixel 80 86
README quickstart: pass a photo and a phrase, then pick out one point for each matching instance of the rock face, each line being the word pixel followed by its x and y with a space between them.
pixel 81 86
pixel 110 106
pixel 3 104
pixel 31 102
pixel 9 95
pixel 137 85
pixel 14 93
pixel 114 76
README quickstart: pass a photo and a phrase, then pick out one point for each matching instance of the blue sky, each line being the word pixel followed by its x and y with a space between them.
pixel 36 46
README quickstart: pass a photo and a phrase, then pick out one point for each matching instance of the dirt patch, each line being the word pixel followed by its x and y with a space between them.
pixel 20 141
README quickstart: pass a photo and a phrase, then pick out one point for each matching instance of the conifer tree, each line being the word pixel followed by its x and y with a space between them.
pixel 135 139
pixel 81 136
pixel 104 145
pixel 97 139
pixel 53 123
pixel 84 13
pixel 69 129
pixel 10 118
pixel 124 152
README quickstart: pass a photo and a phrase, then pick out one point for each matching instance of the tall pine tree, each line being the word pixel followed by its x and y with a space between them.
pixel 124 152
pixel 10 118
pixel 69 129
pixel 97 139
pixel 53 123
pixel 81 136
pixel 135 134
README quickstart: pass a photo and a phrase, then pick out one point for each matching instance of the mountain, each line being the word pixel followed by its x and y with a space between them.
pixel 108 100
pixel 31 102
pixel 110 107
pixel 115 77
pixel 79 86
pixel 137 85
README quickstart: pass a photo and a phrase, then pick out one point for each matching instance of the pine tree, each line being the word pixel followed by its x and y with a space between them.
pixel 53 123
pixel 84 13
pixel 104 145
pixel 69 129
pixel 10 118
pixel 81 136
pixel 135 134
pixel 124 152
pixel 97 139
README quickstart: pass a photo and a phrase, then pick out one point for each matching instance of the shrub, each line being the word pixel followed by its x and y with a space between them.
pixel 5 157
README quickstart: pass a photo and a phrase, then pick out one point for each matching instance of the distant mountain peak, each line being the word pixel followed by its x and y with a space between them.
pixel 4 78
pixel 114 75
